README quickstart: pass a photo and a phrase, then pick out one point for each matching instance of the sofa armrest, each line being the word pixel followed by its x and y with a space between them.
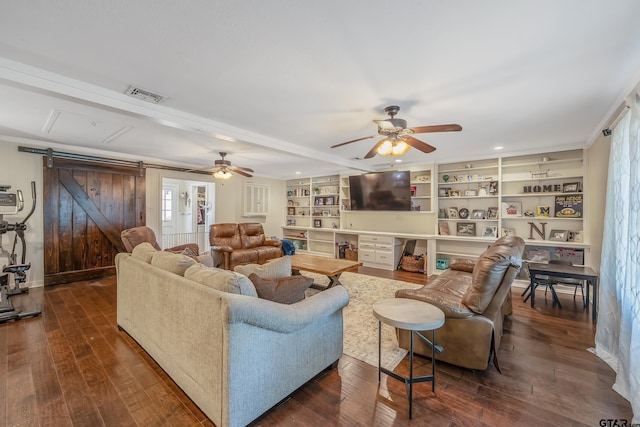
pixel 285 318
pixel 276 243
pixel 223 248
pixel 180 248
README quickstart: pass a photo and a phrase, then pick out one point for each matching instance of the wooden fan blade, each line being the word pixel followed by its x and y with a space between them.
pixel 235 170
pixel 419 145
pixel 437 128
pixel 355 140
pixel 372 152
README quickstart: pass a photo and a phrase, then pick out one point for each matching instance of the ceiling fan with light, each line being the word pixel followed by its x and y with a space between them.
pixel 223 169
pixel 398 137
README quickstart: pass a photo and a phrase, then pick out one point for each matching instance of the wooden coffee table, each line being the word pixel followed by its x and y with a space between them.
pixel 330 267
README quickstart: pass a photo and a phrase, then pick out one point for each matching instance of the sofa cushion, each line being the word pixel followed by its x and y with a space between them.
pixel 462 265
pixel 251 234
pixel 274 269
pixel 221 280
pixel 489 271
pixel 174 263
pixel 285 290
pixel 144 252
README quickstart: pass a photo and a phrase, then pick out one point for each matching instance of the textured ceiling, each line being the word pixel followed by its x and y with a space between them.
pixel 277 83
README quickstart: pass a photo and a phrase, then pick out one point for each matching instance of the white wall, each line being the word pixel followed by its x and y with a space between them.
pixel 597 172
pixel 18 170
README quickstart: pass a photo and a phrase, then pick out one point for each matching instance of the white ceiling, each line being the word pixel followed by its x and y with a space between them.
pixel 277 83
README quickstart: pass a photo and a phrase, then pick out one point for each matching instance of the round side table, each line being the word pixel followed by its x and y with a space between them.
pixel 412 315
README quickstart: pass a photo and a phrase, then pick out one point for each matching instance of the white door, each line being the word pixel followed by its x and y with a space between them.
pixel 169 209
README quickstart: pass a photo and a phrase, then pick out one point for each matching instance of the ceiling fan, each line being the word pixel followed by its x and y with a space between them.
pixel 223 168
pixel 398 137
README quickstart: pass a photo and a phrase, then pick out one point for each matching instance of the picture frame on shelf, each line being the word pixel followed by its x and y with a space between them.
pixel 470 193
pixel 492 213
pixel 443 228
pixel 478 214
pixel 507 232
pixel 571 187
pixel 466 229
pixel 559 235
pixel 463 213
pixel 543 211
pixel 444 191
pixel 575 236
pixel 291 211
pixel 291 222
pixel 454 193
pixel 329 200
pixel 453 212
pixel 511 209
pixel 326 213
pixel 289 202
pixel 490 231
pixel 317 223
pixel 493 188
pixel 319 201
pixel 442 213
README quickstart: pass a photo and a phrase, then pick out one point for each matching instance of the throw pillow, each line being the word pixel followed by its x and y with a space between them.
pixel 174 263
pixel 285 290
pixel 273 269
pixel 144 251
pixel 221 280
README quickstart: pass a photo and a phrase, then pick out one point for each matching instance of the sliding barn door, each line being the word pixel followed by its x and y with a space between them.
pixel 86 206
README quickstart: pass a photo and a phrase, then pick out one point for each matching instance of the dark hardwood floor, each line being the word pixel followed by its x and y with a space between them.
pixel 72 367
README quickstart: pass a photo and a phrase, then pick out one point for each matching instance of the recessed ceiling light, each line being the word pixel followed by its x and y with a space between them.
pixel 398 160
pixel 298 172
pixel 499 147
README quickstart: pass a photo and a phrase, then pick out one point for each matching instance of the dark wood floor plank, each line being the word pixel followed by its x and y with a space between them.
pixel 73 367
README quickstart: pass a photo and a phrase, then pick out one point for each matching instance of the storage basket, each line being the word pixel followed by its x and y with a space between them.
pixel 412 263
pixel 351 254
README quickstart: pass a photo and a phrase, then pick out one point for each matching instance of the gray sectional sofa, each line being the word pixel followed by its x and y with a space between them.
pixel 234 354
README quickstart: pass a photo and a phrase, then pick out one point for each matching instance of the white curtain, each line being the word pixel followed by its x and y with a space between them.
pixel 618 327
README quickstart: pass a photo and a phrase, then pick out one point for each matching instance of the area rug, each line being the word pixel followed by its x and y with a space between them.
pixel 360 326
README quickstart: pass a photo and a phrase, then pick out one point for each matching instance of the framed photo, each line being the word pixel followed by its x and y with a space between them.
pixel 466 229
pixel 478 214
pixel 571 187
pixel 289 202
pixel 559 235
pixel 326 213
pixel 575 236
pixel 453 212
pixel 443 228
pixel 492 213
pixel 493 188
pixel 511 209
pixel 317 223
pixel 507 232
pixel 454 193
pixel 413 190
pixel 291 211
pixel 319 201
pixel 442 213
pixel 329 200
pixel 543 211
pixel 444 192
pixel 469 192
pixel 490 231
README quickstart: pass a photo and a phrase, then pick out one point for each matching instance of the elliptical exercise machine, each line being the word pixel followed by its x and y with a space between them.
pixel 11 204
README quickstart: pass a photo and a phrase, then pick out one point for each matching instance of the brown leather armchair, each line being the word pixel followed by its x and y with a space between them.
pixel 475 297
pixel 236 244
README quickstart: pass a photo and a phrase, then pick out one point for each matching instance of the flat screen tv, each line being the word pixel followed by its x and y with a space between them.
pixel 380 191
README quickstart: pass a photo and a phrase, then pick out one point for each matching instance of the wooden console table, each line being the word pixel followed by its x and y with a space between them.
pixel 567 271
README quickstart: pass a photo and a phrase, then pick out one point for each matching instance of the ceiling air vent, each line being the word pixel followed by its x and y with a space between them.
pixel 144 95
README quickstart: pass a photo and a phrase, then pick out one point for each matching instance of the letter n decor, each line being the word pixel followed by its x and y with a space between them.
pixel 535 228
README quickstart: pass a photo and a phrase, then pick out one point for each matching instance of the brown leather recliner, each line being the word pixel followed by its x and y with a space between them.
pixel 475 297
pixel 132 237
pixel 236 244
